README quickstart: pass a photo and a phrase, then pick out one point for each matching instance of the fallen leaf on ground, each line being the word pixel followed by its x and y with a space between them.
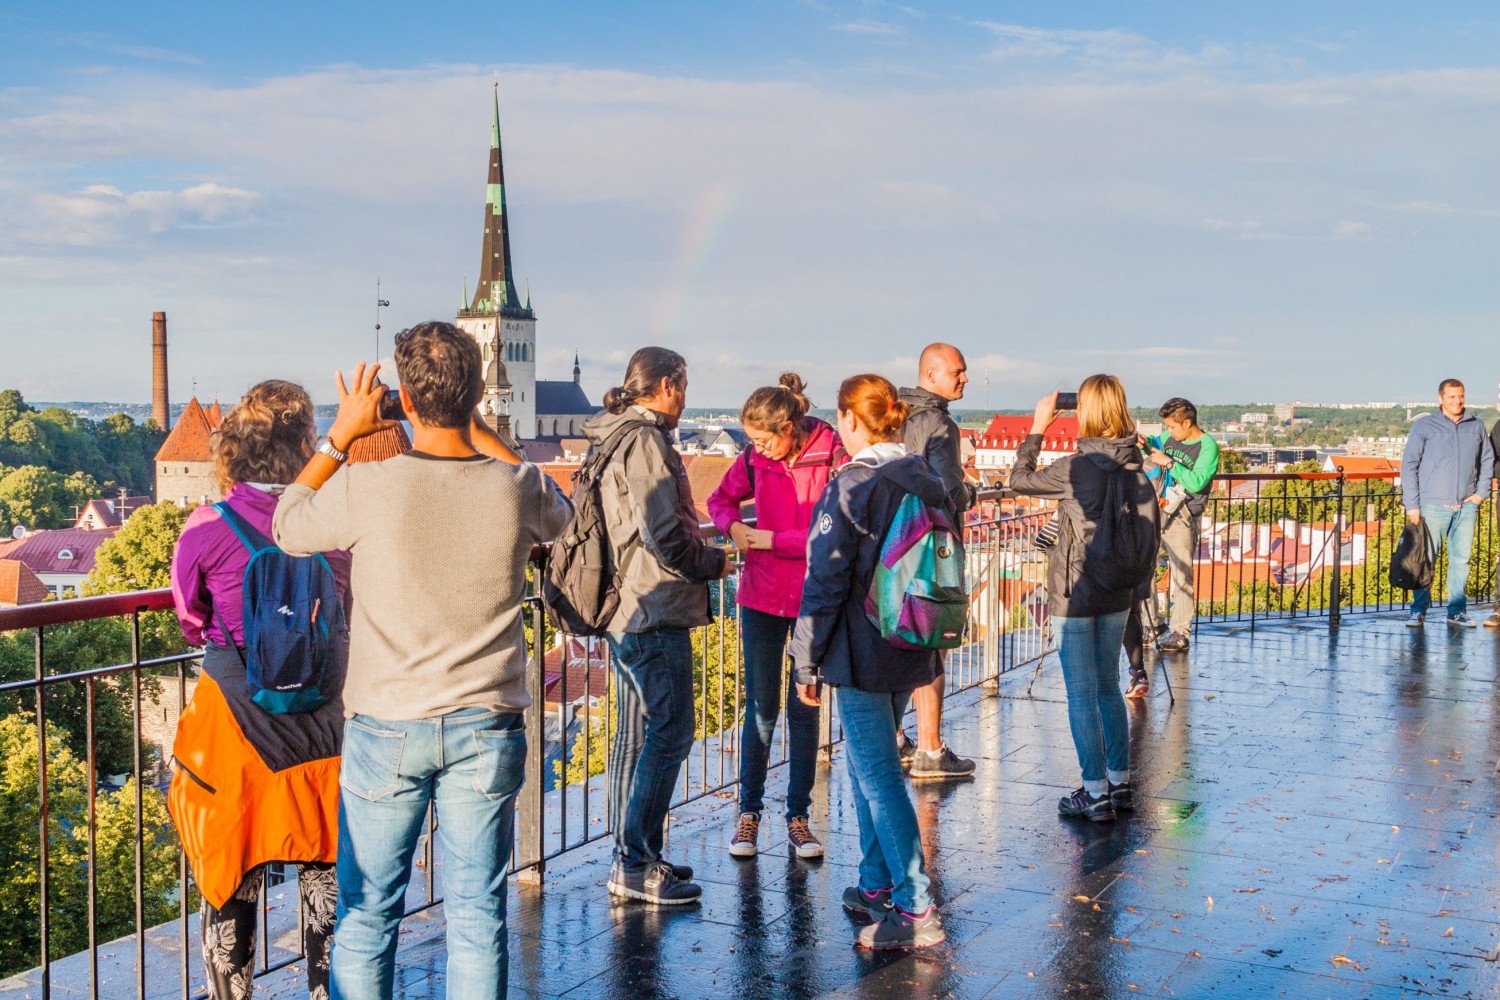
pixel 1247 890
pixel 1210 901
pixel 1273 952
pixel 1448 932
pixel 1081 899
pixel 1346 960
pixel 1195 953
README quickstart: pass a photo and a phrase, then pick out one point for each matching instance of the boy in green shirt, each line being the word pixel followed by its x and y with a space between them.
pixel 1187 458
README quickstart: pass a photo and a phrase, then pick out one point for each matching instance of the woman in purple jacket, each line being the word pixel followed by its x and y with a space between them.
pixel 259 447
pixel 784 473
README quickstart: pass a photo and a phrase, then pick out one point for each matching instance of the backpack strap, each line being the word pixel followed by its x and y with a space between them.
pixel 252 539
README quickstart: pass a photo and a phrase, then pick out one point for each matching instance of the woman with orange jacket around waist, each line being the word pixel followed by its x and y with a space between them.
pixel 248 786
pixel 792 458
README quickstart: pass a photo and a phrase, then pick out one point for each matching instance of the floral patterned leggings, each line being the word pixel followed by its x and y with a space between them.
pixel 229 934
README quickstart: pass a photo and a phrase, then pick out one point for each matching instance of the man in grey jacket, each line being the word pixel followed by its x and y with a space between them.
pixel 662 565
pixel 931 433
pixel 1445 476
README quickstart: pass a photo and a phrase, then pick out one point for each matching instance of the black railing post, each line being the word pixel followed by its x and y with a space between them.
pixel 529 820
pixel 43 881
pixel 1337 599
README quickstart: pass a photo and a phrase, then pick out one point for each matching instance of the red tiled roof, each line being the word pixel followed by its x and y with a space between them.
pixel 65 550
pixel 19 585
pixel 215 415
pixel 381 445
pixel 191 438
pixel 111 512
pixel 562 474
pixel 586 670
pixel 1011 430
pixel 1365 463
pixel 704 473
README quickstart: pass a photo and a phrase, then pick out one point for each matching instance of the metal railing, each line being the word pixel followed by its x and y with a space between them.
pixel 1314 545
pixel 562 806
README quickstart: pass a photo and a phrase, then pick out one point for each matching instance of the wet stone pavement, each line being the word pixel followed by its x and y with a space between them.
pixel 1316 818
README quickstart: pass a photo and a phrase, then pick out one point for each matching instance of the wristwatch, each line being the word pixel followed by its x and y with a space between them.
pixel 327 448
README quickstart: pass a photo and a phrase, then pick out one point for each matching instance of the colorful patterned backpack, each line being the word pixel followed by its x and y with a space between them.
pixel 917 598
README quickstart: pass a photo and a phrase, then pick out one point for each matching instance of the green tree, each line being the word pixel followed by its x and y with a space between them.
pixel 67 845
pixel 139 557
pixel 1232 461
pixel 38 497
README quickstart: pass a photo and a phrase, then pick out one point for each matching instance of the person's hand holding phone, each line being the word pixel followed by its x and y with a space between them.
pixel 1046 412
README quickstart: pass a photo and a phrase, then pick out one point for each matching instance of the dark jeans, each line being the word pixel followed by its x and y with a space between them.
pixel 653 735
pixel 763 639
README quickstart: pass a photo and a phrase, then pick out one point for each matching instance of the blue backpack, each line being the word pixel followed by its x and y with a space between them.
pixel 293 623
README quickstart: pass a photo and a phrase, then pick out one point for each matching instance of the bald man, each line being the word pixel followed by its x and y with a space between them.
pixel 930 432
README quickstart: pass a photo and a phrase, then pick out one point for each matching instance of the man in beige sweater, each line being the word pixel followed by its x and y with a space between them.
pixel 436 685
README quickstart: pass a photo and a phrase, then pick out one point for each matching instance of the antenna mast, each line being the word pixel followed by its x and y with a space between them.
pixel 379 302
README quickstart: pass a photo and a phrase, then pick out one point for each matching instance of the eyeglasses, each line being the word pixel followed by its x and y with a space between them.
pixel 764 446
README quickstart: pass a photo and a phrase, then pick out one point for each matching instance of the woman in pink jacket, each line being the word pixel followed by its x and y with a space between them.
pixel 784 473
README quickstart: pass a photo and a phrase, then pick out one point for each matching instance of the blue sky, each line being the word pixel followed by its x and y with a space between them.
pixel 1232 202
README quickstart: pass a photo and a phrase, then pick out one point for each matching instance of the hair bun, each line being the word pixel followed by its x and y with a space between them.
pixel 793 382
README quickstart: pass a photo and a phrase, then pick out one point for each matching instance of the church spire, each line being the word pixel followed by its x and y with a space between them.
pixel 496 292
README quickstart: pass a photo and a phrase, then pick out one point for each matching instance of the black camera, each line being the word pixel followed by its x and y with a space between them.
pixel 1066 401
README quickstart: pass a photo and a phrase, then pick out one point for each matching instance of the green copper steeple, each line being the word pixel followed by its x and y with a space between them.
pixel 496 292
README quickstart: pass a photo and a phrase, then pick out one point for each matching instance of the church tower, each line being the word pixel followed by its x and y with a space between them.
pixel 503 325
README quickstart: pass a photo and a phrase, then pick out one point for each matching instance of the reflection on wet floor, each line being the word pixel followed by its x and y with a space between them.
pixel 1317 818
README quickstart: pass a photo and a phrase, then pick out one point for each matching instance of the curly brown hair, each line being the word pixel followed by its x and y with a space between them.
pixel 268 436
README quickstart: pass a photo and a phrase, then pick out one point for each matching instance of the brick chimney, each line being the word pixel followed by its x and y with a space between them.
pixel 161 409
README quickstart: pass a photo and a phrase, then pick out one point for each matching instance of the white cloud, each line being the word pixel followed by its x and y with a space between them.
pixel 102 214
pixel 1436 207
pixel 1347 230
pixel 876 29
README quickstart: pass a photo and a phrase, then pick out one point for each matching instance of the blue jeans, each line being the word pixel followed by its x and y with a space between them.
pixel 653 735
pixel 468 765
pixel 889 841
pixel 763 639
pixel 1090 652
pixel 1456 525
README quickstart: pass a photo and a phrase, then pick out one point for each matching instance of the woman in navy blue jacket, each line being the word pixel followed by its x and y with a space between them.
pixel 835 643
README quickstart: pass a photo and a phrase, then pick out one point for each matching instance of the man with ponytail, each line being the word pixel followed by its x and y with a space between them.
pixel 933 434
pixel 836 643
pixel 784 473
pixel 663 567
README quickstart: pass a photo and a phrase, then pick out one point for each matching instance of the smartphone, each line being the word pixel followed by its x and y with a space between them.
pixel 390 406
pixel 1067 401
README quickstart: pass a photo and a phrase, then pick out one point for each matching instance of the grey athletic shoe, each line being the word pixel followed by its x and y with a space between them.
pixel 905 748
pixel 1121 797
pixel 1415 620
pixel 657 884
pixel 1462 620
pixel 1082 805
pixel 866 905
pixel 1493 621
pixel 939 765
pixel 898 929
pixel 1173 642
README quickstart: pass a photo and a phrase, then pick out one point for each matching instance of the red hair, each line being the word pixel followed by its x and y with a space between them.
pixel 873 401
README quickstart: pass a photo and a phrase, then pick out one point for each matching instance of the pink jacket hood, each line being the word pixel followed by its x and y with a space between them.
pixel 784 496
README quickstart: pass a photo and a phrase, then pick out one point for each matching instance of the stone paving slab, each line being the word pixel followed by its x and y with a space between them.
pixel 1318 818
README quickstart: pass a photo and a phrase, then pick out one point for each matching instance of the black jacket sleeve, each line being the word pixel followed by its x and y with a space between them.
pixel 1028 480
pixel 943 450
pixel 832 550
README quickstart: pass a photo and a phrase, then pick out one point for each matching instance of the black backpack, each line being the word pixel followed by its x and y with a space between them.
pixel 1121 554
pixel 582 588
pixel 1411 567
